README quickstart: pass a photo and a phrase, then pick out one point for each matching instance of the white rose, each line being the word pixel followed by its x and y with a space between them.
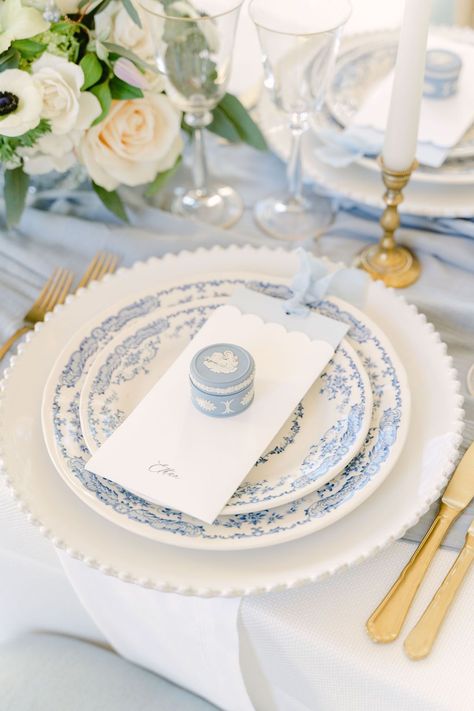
pixel 64 105
pixel 116 25
pixel 18 22
pixel 137 140
pixel 26 94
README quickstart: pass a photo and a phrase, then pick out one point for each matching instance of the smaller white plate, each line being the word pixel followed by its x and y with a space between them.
pixel 320 438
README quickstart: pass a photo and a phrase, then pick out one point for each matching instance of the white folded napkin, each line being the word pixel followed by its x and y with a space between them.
pixel 443 122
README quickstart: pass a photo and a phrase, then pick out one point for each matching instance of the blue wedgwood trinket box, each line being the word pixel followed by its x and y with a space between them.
pixel 442 71
pixel 222 379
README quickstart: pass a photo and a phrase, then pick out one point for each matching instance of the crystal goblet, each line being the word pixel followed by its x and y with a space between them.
pixel 194 44
pixel 299 42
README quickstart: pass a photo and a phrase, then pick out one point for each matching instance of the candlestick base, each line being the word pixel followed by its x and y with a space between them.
pixel 398 267
pixel 395 265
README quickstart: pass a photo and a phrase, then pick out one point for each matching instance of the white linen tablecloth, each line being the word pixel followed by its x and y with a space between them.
pixel 299 650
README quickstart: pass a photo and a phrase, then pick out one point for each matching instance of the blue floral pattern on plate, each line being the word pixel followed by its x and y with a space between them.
pixel 283 523
pixel 336 411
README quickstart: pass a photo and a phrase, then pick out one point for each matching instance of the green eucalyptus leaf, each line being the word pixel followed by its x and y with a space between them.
pixel 133 14
pixel 103 93
pixel 92 69
pixel 14 191
pixel 28 48
pixel 247 129
pixel 121 90
pixel 112 201
pixel 9 59
pixel 161 179
pixel 223 126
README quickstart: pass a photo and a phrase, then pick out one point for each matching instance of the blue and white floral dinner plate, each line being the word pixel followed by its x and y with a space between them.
pixel 316 510
pixel 321 436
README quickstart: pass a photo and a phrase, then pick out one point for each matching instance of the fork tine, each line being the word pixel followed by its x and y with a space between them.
pixel 66 288
pixel 109 265
pixel 54 294
pixel 91 271
pixel 36 309
pixel 97 267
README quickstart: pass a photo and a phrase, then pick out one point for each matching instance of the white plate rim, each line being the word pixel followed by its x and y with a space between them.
pixel 229 545
pixel 204 590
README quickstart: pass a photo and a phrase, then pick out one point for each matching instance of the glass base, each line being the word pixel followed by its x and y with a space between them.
pixel 294 220
pixel 220 206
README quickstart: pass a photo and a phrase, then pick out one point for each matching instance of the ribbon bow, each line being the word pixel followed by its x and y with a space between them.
pixel 314 281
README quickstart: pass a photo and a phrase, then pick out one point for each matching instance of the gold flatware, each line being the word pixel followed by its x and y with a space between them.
pixel 386 621
pixel 53 293
pixel 103 263
pixel 419 642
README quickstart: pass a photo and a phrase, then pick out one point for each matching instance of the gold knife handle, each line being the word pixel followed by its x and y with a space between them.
pixel 386 621
pixel 420 640
pixel 9 343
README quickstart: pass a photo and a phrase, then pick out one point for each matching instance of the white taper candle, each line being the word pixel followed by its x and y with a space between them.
pixel 402 127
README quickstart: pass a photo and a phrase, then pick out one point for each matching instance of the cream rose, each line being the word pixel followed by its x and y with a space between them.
pixel 25 100
pixel 136 140
pixel 64 105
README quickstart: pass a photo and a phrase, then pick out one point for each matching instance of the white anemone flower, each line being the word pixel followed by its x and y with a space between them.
pixel 18 22
pixel 22 92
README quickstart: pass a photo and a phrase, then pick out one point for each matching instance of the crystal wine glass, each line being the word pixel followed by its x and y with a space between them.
pixel 194 43
pixel 299 42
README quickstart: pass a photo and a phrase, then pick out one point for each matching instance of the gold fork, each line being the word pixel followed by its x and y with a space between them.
pixel 54 292
pixel 103 263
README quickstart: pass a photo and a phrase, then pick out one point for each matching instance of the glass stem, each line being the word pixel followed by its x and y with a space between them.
pixel 294 169
pixel 200 170
pixel 198 122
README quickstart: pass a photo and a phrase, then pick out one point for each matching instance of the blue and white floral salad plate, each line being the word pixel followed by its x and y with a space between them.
pixel 321 436
pixel 312 512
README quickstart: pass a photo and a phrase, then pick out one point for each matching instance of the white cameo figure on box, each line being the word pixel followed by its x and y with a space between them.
pixel 226 362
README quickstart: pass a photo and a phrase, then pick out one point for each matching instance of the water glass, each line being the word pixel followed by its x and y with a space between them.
pixel 299 42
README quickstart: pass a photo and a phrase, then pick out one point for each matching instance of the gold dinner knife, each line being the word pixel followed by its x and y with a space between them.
pixel 386 621
pixel 420 640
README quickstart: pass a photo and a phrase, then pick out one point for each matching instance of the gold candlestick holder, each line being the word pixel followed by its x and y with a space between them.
pixel 388 261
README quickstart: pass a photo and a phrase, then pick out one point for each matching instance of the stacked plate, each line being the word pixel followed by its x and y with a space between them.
pixel 355 458
pixel 365 59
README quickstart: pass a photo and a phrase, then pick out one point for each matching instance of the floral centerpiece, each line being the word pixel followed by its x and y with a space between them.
pixel 79 83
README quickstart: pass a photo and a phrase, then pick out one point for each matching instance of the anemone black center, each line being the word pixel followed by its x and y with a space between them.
pixel 8 103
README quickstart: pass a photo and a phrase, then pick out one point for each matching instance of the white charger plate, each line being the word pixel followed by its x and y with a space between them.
pixel 428 458
pixel 322 435
pixel 255 529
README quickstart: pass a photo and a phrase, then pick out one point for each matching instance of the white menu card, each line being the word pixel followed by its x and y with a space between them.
pixel 172 454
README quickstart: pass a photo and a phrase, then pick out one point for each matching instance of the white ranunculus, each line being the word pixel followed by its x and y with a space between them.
pixel 51 153
pixel 28 112
pixel 64 105
pixel 18 22
pixel 137 140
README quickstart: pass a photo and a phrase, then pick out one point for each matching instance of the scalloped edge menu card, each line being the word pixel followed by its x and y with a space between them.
pixel 170 453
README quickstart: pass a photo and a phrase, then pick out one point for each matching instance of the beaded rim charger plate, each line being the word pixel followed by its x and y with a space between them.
pixel 428 458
